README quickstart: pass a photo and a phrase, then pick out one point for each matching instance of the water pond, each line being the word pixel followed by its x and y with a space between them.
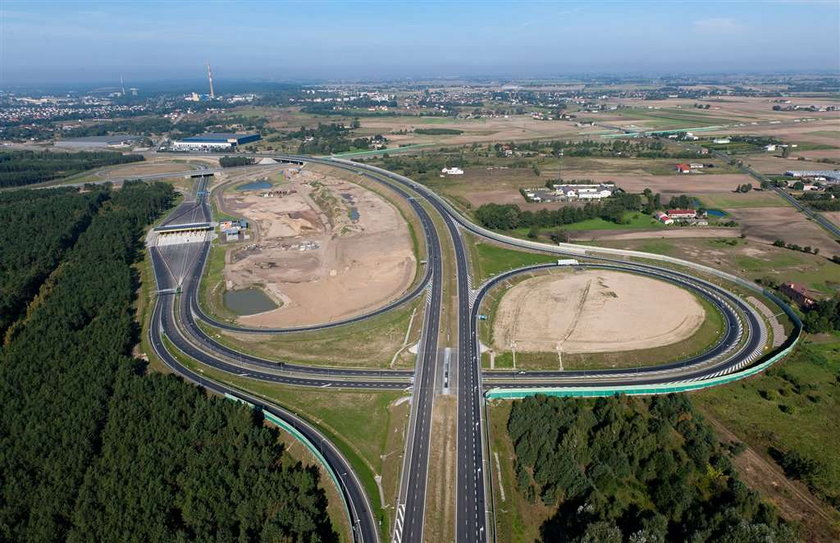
pixel 255 185
pixel 249 301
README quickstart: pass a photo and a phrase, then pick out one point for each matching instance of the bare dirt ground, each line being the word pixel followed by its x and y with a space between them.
pixel 328 250
pixel 768 224
pixel 670 184
pixel 594 311
pixel 681 233
pixel 794 500
pixel 512 128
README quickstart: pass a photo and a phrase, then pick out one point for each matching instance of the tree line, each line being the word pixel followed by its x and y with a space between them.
pixel 42 225
pixel 19 168
pixel 623 469
pixel 232 161
pixel 510 216
pixel 94 449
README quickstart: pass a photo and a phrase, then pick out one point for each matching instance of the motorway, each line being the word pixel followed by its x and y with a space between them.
pixel 180 267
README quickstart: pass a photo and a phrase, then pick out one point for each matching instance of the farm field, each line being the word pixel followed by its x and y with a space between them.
pixel 736 200
pixel 786 223
pixel 747 258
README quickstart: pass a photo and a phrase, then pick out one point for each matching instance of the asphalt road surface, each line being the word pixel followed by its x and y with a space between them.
pixel 177 322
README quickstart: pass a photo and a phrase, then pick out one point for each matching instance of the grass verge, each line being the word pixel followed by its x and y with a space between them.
pixel 775 411
pixel 366 426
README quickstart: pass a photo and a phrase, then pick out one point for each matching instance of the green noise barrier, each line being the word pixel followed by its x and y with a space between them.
pixel 664 388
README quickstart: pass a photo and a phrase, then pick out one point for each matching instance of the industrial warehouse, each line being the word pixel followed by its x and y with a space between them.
pixel 214 141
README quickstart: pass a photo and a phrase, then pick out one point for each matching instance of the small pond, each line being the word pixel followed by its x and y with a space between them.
pixel 255 185
pixel 715 213
pixel 249 301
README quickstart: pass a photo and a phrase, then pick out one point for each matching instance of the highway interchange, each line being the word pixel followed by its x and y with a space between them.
pixel 176 333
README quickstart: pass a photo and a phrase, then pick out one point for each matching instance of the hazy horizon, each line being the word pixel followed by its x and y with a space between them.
pixel 43 43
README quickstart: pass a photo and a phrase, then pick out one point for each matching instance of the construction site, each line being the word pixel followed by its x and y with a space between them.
pixel 321 248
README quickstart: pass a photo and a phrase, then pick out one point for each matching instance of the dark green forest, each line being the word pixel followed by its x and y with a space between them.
pixel 624 469
pixel 92 448
pixel 41 226
pixel 19 168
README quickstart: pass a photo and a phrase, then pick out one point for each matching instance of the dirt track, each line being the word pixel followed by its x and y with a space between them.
pixel 594 311
pixel 327 249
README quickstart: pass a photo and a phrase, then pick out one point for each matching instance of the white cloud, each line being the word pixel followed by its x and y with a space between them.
pixel 719 25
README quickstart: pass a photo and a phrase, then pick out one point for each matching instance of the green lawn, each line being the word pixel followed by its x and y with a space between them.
pixel 634 220
pixel 736 200
pixel 793 406
pixel 489 260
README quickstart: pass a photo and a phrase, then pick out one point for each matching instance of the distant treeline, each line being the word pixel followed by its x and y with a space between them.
pixel 625 469
pixel 19 168
pixel 161 125
pixel 647 148
pixel 329 138
pixel 232 161
pixel 93 449
pixel 437 131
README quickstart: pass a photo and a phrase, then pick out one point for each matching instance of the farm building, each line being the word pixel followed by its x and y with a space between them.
pixel 830 175
pixel 681 214
pixel 798 293
pixel 214 141
pixel 663 217
pixel 584 192
pixel 683 168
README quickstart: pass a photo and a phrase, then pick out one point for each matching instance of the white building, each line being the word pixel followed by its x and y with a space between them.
pixel 722 140
pixel 584 192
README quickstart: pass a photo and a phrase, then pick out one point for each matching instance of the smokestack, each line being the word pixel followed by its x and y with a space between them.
pixel 210 79
pixel 122 85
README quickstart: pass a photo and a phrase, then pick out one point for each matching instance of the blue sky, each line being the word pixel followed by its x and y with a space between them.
pixel 97 41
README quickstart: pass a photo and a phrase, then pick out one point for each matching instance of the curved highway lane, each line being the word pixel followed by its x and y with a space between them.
pixel 471 503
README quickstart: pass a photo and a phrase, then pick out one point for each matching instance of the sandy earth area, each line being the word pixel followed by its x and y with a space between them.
pixel 329 250
pixel 659 233
pixel 771 223
pixel 594 311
